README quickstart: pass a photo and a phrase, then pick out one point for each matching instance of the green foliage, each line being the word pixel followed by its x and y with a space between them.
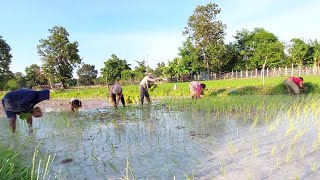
pixel 113 67
pixel 21 80
pixel 259 47
pixel 12 84
pixel 87 74
pixel 12 165
pixel 34 76
pixel 298 51
pixel 207 35
pixel 5 61
pixel 59 56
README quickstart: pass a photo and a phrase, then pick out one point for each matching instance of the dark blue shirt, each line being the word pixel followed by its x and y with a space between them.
pixel 23 100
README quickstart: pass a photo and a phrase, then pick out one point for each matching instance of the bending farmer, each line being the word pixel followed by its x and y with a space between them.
pixel 145 84
pixel 116 90
pixel 22 102
pixel 295 84
pixel 196 88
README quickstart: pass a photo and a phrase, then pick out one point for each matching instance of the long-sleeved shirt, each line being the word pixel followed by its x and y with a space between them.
pixel 23 100
pixel 145 81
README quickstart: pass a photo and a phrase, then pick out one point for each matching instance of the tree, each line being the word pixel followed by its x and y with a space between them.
pixel 207 34
pixel 191 58
pixel 259 47
pixel 87 74
pixel 158 71
pixel 298 51
pixel 140 70
pixel 34 76
pixel 59 56
pixel 113 67
pixel 5 61
pixel 21 80
pixel 315 52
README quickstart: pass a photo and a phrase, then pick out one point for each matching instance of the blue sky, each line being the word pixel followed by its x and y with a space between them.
pixel 141 29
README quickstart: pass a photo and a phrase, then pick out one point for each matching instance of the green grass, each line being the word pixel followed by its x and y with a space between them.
pixel 250 86
pixel 12 165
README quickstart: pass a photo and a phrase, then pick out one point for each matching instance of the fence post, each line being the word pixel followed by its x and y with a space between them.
pixel 267 72
pixel 251 73
pixel 232 74
pixel 247 73
pixel 273 72
pixel 285 71
pixel 256 72
pixel 306 71
pixel 292 69
pixel 236 74
pixel 299 71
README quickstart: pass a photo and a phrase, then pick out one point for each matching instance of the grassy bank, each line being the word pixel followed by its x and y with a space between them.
pixel 252 86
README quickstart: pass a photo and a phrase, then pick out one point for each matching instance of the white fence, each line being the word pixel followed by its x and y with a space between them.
pixel 275 72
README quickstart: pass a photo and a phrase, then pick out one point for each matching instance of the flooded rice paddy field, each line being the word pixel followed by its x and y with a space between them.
pixel 156 142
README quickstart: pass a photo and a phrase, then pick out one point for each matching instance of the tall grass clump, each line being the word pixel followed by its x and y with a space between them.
pixel 13 166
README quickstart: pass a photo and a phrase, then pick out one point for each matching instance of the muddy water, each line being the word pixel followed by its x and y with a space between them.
pixel 157 143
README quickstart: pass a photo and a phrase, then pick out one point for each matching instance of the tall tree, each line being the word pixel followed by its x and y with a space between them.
pixel 59 55
pixel 34 76
pixel 87 73
pixel 113 67
pixel 298 51
pixel 5 61
pixel 259 47
pixel 21 79
pixel 207 34
pixel 158 71
pixel 140 69
pixel 190 57
pixel 315 52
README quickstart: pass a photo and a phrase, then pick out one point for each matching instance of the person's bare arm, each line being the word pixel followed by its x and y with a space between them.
pixel 13 124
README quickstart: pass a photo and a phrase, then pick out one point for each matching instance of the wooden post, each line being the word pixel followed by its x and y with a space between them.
pixel 236 74
pixel 285 71
pixel 241 74
pixel 247 73
pixel 292 69
pixel 267 72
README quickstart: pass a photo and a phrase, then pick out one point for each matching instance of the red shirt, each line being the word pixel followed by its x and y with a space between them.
pixel 297 81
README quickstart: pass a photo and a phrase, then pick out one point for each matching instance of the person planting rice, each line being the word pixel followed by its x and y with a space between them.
pixel 196 88
pixel 116 90
pixel 145 84
pixel 75 104
pixel 295 84
pixel 22 102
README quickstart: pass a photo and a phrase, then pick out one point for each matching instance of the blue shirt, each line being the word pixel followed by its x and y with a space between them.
pixel 22 100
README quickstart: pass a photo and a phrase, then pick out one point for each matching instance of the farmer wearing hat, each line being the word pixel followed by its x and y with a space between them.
pixel 116 90
pixel 75 104
pixel 145 84
pixel 22 102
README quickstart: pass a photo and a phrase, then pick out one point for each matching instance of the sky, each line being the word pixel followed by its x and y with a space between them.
pixel 142 29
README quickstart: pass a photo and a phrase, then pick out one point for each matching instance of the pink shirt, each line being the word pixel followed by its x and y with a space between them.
pixel 296 80
pixel 197 87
